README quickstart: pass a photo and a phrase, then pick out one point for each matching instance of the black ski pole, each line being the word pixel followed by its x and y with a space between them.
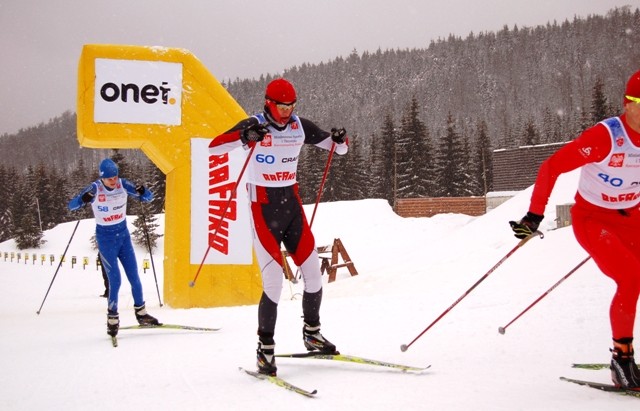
pixel 405 347
pixel 502 330
pixel 59 264
pixel 153 266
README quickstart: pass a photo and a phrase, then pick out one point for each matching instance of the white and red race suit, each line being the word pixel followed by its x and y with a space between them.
pixel 276 209
pixel 606 216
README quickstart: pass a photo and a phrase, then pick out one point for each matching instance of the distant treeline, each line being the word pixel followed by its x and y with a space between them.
pixel 422 122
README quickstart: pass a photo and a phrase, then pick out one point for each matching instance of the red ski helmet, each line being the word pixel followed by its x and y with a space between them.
pixel 279 91
pixel 633 87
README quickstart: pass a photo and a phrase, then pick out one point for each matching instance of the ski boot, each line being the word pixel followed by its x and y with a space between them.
pixel 113 323
pixel 624 371
pixel 314 341
pixel 266 362
pixel 143 317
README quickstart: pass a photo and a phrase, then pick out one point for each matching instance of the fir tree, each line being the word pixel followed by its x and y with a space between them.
pixel 10 180
pixel 80 178
pixel 27 232
pixel 46 197
pixel 451 161
pixel 484 160
pixel 121 162
pixel 600 107
pixel 380 184
pixel 337 176
pixel 145 233
pixel 530 135
pixel 386 149
pixel 157 183
pixel 350 179
pixel 413 156
pixel 311 164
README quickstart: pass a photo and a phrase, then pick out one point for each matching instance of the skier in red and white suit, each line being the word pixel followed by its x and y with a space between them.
pixel 606 215
pixel 276 209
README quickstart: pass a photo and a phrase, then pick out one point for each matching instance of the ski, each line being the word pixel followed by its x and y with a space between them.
pixel 168 326
pixel 114 341
pixel 603 387
pixel 280 383
pixel 353 359
pixel 591 366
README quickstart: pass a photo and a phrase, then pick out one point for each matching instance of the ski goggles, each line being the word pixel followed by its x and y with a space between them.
pixel 284 106
pixel 634 99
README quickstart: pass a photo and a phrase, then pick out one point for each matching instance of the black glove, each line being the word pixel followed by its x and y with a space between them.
pixel 254 133
pixel 87 197
pixel 527 225
pixel 140 189
pixel 338 135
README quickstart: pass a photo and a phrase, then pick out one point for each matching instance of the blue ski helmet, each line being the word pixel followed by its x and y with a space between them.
pixel 108 168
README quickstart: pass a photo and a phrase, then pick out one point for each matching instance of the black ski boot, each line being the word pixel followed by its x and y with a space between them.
pixel 143 317
pixel 624 371
pixel 266 362
pixel 113 323
pixel 314 341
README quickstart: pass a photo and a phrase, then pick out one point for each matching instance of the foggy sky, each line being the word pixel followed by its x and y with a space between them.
pixel 41 40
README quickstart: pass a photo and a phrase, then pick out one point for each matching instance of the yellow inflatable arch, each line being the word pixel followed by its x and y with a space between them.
pixel 166 103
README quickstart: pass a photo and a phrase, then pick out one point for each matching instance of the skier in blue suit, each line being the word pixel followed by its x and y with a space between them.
pixel 108 199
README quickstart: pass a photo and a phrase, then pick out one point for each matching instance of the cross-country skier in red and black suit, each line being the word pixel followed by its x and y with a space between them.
pixel 276 209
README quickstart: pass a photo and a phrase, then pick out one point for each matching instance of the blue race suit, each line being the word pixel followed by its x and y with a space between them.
pixel 112 235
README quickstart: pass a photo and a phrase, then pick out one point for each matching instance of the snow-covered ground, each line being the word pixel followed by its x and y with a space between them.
pixel 411 271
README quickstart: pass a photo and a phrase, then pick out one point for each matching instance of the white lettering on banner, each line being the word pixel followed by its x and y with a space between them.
pixel 138 92
pixel 213 179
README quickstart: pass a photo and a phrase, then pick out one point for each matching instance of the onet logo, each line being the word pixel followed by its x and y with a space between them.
pixel 149 93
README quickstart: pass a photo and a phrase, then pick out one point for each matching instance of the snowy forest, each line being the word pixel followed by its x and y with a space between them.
pixel 422 122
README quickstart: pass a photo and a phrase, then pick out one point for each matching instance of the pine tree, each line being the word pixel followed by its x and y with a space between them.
pixel 157 182
pixel 530 135
pixel 413 156
pixel 337 180
pixel 311 164
pixel 121 162
pixel 351 181
pixel 451 160
pixel 145 233
pixel 9 178
pixel 56 202
pixel 27 232
pixel 484 159
pixel 380 184
pixel 600 107
pixel 46 197
pixel 467 186
pixel 79 179
pixel 386 148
